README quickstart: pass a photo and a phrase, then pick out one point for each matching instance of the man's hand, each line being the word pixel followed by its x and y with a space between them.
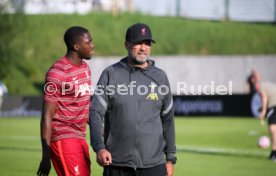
pixel 49 110
pixel 44 167
pixel 104 157
pixel 170 168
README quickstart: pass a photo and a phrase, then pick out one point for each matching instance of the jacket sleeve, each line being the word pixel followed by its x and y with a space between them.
pixel 167 116
pixel 97 112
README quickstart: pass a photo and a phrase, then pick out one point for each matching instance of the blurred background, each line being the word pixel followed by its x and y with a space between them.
pixel 210 42
pixel 203 45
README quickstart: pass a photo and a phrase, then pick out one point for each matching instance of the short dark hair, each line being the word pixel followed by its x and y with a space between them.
pixel 72 35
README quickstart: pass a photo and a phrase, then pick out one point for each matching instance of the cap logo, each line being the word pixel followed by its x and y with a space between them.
pixel 143 31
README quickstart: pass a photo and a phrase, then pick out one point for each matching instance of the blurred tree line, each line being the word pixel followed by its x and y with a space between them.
pixel 13 66
pixel 29 44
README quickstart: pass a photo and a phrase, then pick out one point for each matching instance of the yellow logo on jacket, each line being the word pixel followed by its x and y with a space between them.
pixel 153 95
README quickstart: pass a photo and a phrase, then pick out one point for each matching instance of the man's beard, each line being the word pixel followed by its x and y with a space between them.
pixel 138 61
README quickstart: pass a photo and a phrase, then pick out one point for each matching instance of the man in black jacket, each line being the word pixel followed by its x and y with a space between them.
pixel 134 101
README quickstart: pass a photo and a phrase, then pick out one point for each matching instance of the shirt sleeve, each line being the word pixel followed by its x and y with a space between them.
pixel 167 116
pixel 97 112
pixel 52 87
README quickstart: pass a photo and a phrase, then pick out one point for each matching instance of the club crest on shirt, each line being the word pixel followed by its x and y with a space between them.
pixel 152 95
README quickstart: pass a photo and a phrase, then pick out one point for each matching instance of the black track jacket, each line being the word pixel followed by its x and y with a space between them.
pixel 136 107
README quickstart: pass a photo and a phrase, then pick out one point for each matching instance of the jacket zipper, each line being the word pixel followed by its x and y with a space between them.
pixel 136 130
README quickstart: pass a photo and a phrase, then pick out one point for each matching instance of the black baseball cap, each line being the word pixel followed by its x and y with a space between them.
pixel 138 32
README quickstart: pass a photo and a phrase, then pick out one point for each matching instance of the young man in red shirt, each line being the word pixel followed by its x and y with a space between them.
pixel 66 107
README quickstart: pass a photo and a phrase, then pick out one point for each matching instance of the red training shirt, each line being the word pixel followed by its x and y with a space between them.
pixel 68 86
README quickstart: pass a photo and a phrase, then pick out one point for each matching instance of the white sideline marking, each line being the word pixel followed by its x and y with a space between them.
pixel 230 151
pixel 23 138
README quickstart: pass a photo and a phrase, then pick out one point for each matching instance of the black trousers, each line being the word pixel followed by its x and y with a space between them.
pixel 271 115
pixel 159 170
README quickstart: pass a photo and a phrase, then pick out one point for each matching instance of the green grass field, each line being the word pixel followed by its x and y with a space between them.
pixel 205 146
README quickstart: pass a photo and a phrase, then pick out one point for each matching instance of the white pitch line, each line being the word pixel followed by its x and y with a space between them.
pixel 229 151
pixel 18 137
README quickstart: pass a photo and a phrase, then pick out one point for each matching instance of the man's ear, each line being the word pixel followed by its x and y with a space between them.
pixel 127 45
pixel 76 47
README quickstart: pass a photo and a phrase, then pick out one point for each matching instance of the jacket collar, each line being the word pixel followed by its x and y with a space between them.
pixel 124 64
